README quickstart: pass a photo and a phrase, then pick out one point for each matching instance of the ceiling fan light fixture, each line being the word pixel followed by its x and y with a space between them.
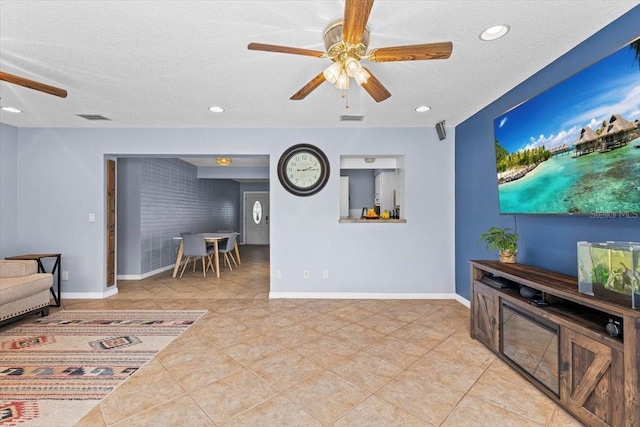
pixel 343 81
pixel 332 73
pixel 352 66
pixel 362 76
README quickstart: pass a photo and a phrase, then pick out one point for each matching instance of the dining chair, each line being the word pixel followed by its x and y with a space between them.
pixel 196 247
pixel 188 233
pixel 222 243
pixel 228 249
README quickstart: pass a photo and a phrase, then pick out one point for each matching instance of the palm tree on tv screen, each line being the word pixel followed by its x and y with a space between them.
pixel 635 46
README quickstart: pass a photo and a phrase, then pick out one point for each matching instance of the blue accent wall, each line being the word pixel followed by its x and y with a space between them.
pixel 545 241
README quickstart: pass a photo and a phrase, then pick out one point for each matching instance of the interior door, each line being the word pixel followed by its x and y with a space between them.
pixel 256 218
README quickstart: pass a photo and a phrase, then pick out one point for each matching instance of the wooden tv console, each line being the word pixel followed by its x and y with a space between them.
pixel 599 379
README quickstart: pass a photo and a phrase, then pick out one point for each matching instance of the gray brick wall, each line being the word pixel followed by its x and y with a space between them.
pixel 174 200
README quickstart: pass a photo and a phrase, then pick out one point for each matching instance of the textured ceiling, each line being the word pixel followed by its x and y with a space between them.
pixel 163 63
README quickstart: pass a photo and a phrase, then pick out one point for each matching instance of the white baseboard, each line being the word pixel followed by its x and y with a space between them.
pixel 363 295
pixel 462 301
pixel 90 295
pixel 145 275
pixel 298 295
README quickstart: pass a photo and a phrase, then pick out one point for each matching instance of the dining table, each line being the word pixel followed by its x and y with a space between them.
pixel 209 238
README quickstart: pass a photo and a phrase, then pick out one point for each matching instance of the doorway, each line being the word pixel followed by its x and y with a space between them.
pixel 145 243
pixel 256 218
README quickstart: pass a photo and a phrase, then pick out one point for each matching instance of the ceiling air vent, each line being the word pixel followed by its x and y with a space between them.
pixel 351 118
pixel 92 116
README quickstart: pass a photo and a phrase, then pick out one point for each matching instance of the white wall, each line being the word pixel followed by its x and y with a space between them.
pixel 61 175
pixel 8 190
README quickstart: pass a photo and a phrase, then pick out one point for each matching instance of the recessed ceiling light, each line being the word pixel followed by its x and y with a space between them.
pixel 223 161
pixel 423 109
pixel 215 109
pixel 494 33
pixel 11 110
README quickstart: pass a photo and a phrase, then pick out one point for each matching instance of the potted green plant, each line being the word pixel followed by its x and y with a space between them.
pixel 503 240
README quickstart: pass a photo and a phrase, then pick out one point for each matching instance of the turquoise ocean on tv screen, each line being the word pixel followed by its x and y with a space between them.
pixel 592 184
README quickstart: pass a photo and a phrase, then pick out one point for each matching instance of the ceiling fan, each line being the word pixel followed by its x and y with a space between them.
pixel 32 84
pixel 346 41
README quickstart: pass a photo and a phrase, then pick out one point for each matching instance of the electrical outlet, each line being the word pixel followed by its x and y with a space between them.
pixel 278 274
pixel 65 275
pixel 306 274
pixel 325 274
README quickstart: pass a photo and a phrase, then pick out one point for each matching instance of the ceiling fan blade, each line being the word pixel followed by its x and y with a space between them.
pixel 375 88
pixel 356 15
pixel 416 52
pixel 308 88
pixel 285 49
pixel 32 84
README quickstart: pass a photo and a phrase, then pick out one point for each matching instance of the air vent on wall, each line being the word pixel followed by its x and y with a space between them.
pixel 351 118
pixel 92 116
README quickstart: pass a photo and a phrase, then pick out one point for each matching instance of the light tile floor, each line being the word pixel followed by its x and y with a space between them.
pixel 251 361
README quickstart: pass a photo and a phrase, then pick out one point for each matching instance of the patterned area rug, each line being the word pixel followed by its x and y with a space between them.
pixel 54 369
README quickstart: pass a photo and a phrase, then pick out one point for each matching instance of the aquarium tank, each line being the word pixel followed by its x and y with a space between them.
pixel 611 271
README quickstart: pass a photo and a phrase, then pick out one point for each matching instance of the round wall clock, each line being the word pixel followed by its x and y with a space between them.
pixel 303 170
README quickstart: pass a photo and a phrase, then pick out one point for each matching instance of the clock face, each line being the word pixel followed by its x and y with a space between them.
pixel 303 170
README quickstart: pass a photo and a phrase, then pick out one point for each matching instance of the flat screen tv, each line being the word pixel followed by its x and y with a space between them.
pixel 575 148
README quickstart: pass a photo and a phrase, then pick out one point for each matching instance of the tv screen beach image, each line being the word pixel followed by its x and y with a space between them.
pixel 575 148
